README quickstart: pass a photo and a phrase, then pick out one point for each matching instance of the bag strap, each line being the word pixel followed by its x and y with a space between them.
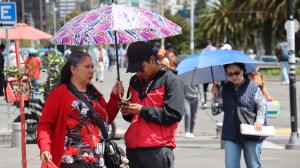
pixel 92 114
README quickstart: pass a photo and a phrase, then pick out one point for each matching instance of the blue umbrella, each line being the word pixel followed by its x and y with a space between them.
pixel 207 66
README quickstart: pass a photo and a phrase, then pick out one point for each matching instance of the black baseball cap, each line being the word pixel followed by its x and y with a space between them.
pixel 137 53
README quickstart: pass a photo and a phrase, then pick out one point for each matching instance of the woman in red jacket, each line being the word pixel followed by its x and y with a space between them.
pixel 66 134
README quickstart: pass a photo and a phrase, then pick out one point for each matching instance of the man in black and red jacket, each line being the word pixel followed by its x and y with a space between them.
pixel 156 107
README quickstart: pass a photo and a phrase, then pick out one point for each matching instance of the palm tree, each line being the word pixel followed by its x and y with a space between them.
pixel 221 24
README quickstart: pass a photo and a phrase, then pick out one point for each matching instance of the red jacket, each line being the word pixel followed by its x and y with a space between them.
pixel 162 100
pixel 52 125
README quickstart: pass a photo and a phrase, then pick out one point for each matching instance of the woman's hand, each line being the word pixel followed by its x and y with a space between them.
pixel 258 126
pixel 214 90
pixel 131 108
pixel 46 156
pixel 118 88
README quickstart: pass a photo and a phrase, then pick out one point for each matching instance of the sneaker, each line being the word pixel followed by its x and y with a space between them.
pixel 204 106
pixel 187 135
pixel 285 82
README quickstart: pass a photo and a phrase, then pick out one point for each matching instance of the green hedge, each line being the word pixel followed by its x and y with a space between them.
pixel 275 72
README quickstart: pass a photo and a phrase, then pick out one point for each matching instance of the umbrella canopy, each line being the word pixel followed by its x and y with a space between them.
pixel 131 24
pixel 115 24
pixel 25 32
pixel 207 66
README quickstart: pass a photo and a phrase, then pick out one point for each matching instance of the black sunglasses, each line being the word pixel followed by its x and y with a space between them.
pixel 236 73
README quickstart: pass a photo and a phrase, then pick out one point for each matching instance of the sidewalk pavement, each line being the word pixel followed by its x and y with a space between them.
pixel 203 151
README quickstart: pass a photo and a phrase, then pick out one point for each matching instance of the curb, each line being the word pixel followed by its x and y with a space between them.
pixel 284 131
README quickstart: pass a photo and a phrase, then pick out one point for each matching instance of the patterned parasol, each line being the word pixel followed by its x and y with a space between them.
pixel 131 24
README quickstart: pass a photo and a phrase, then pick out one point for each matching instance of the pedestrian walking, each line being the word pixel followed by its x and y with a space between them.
pixel 258 78
pixel 2 47
pixel 240 95
pixel 155 109
pixel 68 132
pixel 99 55
pixel 33 66
pixel 282 53
pixel 111 56
pixel 191 108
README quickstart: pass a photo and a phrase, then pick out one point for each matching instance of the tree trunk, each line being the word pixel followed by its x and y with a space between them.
pixel 267 36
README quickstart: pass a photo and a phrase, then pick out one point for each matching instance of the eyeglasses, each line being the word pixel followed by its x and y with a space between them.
pixel 236 73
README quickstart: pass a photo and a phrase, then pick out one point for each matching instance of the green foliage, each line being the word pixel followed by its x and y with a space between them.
pixel 13 71
pixel 180 42
pixel 275 72
pixel 54 64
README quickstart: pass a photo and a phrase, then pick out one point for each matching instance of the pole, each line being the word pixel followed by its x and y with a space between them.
pixel 20 93
pixel 192 45
pixel 162 12
pixel 294 142
pixel 116 46
pixel 23 11
pixel 7 65
pixel 54 21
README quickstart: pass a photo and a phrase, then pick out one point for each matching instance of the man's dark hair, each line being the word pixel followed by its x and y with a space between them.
pixel 2 46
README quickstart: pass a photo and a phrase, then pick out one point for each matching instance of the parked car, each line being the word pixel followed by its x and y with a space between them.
pixel 267 59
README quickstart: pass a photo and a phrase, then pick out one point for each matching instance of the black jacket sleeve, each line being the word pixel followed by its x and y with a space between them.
pixel 173 110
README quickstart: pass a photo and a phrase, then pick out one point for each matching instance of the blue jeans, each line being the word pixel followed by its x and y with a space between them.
pixel 251 150
pixel 35 87
pixel 284 67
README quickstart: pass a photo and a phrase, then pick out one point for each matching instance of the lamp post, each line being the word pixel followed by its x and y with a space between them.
pixel 54 20
pixel 294 142
pixel 192 44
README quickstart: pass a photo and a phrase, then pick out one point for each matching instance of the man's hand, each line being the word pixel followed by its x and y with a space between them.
pixel 131 108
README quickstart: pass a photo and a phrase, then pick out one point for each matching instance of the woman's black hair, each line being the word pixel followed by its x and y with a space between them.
pixel 73 59
pixel 240 65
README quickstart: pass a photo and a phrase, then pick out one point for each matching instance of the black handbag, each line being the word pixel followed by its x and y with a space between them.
pixel 114 156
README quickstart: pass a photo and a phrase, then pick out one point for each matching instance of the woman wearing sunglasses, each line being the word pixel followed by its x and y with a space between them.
pixel 236 94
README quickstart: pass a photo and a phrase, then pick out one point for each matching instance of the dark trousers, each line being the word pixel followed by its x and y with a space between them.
pixel 160 157
pixel 1 83
pixel 205 89
pixel 191 108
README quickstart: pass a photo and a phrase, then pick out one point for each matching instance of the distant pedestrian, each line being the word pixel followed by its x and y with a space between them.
pixel 259 79
pixel 251 53
pixel 171 54
pixel 111 51
pixel 33 66
pixel 99 56
pixel 282 53
pixel 191 108
pixel 2 47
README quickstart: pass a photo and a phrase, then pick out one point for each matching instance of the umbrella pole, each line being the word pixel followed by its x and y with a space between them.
pixel 117 56
pixel 20 93
pixel 212 74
